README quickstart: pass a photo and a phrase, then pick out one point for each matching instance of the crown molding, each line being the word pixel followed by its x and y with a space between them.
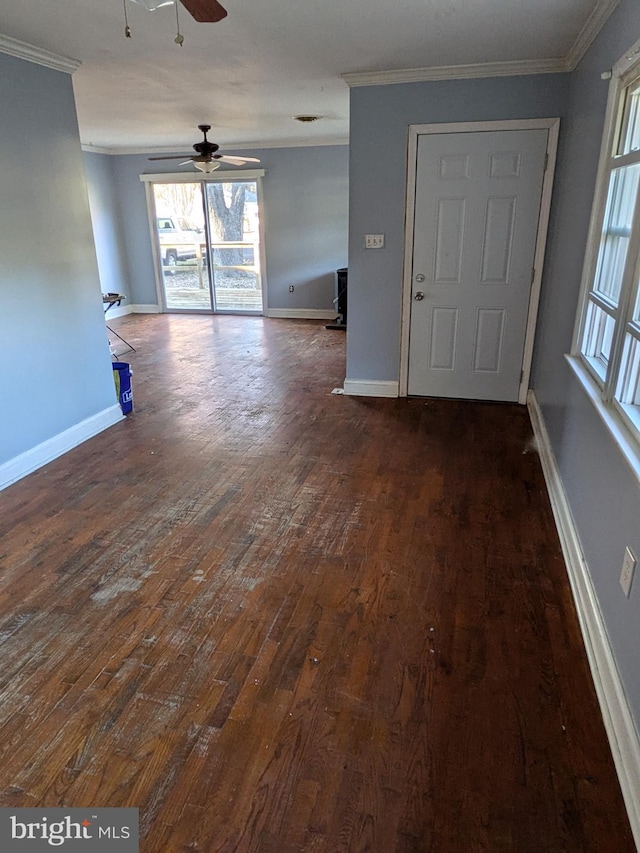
pixel 455 72
pixel 14 47
pixel 594 23
pixel 236 146
pixel 95 149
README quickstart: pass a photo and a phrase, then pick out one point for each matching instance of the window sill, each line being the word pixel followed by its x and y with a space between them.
pixel 627 442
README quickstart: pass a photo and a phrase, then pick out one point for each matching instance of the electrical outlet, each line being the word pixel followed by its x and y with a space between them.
pixel 628 568
pixel 374 241
pixel 291 288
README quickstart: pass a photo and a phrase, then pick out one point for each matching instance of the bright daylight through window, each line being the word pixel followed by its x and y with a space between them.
pixel 609 331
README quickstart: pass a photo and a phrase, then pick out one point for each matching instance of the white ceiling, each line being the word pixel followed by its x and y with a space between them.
pixel 272 59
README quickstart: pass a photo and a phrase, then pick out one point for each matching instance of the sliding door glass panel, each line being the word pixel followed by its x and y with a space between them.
pixel 182 242
pixel 234 245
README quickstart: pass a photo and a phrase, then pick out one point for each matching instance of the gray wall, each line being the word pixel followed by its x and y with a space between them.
pixel 306 211
pixel 107 223
pixel 603 493
pixel 380 116
pixel 56 365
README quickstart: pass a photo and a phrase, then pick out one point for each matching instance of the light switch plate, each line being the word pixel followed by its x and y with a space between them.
pixel 374 241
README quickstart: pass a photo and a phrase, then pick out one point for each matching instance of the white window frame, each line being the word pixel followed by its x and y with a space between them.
pixel 253 175
pixel 602 380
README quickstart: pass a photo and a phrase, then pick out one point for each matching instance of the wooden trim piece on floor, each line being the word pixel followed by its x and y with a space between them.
pixel 47 451
pixel 618 719
pixel 370 388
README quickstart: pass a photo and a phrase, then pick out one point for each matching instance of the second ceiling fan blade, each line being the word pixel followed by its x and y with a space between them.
pixel 238 161
pixel 205 11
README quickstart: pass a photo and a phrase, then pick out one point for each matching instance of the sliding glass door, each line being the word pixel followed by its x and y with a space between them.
pixel 234 245
pixel 208 245
pixel 182 246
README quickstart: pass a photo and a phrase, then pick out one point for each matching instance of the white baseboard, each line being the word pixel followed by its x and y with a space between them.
pixel 123 310
pixel 41 454
pixel 146 309
pixel 118 311
pixel 370 388
pixel 618 719
pixel 301 313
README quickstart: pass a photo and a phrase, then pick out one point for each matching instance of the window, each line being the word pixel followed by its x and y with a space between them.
pixel 608 334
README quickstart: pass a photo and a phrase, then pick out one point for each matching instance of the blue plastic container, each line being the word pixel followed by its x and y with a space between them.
pixel 122 374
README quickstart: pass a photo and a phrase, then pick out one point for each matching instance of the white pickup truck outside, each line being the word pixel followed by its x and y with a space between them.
pixel 179 240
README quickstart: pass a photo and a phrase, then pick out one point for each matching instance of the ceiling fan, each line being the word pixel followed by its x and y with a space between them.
pixel 206 159
pixel 204 11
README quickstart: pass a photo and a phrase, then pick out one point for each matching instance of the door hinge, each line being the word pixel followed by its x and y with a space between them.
pixel 533 274
pixel 521 376
pixel 546 162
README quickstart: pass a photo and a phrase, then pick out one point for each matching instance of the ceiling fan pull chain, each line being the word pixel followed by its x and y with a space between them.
pixel 179 39
pixel 127 28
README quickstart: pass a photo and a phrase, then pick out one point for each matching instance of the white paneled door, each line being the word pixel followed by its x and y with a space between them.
pixel 477 206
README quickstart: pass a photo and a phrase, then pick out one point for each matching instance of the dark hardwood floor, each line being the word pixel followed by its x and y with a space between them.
pixel 277 619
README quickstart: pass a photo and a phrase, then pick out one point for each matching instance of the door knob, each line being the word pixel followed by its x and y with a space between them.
pixel 419 296
pixel 420 277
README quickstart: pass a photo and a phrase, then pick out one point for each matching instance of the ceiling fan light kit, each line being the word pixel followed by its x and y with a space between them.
pixel 206 166
pixel 206 158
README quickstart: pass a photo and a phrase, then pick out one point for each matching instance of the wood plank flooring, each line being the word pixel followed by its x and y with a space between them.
pixel 277 619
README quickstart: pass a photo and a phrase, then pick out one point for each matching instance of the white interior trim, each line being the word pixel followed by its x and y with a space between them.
pixel 240 146
pixel 552 125
pixel 31 53
pixel 301 313
pixel 370 388
pixel 117 311
pixel 146 309
pixel 219 176
pixel 200 177
pixel 94 149
pixel 49 450
pixel 595 22
pixel 597 208
pixel 123 310
pixel 538 260
pixel 354 79
pixel 155 243
pixel 624 440
pixel 618 720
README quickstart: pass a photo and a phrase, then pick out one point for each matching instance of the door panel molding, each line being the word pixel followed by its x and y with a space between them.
pixel 552 125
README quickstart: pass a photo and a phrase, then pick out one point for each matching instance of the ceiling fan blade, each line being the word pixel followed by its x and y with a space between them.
pixel 238 161
pixel 205 11
pixel 171 157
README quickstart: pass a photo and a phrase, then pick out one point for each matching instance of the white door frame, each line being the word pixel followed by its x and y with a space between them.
pixel 416 130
